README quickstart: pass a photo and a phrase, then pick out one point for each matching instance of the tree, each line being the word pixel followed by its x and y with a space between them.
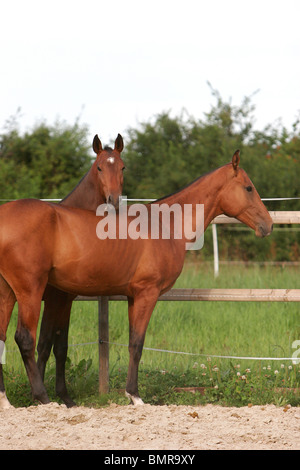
pixel 166 153
pixel 46 162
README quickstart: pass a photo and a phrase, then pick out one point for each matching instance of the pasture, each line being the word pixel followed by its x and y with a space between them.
pixel 242 329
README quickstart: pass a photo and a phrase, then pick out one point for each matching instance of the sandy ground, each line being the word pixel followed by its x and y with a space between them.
pixel 150 427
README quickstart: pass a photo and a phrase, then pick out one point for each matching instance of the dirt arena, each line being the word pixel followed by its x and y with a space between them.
pixel 150 427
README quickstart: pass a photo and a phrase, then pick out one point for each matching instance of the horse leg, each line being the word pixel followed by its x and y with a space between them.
pixel 54 331
pixel 7 302
pixel 25 336
pixel 50 320
pixel 60 350
pixel 140 309
pixel 46 340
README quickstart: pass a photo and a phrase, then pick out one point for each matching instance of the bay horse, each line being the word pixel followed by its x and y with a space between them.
pixel 43 243
pixel 102 183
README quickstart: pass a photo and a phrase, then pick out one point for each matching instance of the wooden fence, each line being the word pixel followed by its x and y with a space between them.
pixel 232 295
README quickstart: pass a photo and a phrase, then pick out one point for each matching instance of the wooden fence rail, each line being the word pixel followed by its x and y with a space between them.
pixel 279 217
pixel 223 295
pixel 227 295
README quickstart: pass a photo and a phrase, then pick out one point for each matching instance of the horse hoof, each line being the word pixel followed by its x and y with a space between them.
pixel 4 403
pixel 70 403
pixel 42 398
pixel 66 399
pixel 135 400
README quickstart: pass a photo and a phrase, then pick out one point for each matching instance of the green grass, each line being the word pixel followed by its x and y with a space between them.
pixel 259 329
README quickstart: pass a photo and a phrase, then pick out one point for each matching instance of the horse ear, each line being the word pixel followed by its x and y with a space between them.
pixel 119 145
pixel 236 160
pixel 97 146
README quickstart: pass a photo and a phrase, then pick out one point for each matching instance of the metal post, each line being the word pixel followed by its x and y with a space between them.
pixel 103 345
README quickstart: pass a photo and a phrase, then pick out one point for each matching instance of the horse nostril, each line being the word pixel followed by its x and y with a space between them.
pixel 265 230
pixel 113 200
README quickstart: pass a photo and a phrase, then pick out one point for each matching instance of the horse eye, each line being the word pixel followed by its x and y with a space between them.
pixel 98 168
pixel 249 189
pixel 124 168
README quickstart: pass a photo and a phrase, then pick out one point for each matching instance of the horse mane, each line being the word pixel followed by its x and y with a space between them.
pixel 184 187
pixel 78 184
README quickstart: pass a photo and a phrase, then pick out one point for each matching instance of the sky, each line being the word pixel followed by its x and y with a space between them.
pixel 114 64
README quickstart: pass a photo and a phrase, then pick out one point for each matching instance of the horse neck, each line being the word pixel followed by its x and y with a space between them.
pixel 204 190
pixel 86 194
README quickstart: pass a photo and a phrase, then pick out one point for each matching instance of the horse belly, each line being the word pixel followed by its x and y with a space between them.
pixel 93 272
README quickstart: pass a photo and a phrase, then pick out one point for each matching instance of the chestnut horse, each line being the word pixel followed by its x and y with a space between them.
pixel 102 183
pixel 43 243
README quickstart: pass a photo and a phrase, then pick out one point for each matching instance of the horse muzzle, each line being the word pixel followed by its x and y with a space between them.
pixel 113 200
pixel 263 230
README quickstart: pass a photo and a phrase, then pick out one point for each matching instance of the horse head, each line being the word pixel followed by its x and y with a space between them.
pixel 240 199
pixel 109 167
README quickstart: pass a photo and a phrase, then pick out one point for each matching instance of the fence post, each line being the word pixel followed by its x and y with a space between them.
pixel 103 344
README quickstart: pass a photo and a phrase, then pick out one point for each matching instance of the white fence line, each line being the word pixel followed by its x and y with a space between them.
pixel 152 200
pixel 279 217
